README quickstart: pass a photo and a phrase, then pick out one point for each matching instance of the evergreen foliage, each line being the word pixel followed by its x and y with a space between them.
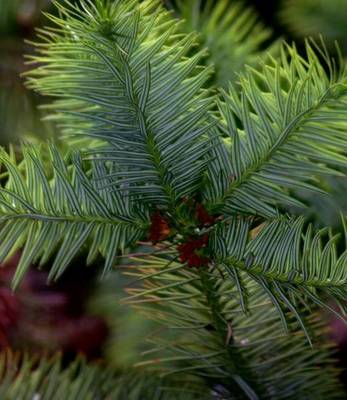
pixel 31 378
pixel 244 355
pixel 232 33
pixel 7 15
pixel 157 155
pixel 312 17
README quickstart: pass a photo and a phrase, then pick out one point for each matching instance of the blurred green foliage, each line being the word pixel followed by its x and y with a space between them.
pixel 127 329
pixel 18 107
pixel 19 15
pixel 232 33
pixel 317 17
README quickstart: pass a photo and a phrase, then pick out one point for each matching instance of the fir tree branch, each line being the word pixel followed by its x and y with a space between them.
pixel 289 260
pixel 41 210
pixel 205 331
pixel 122 74
pixel 292 116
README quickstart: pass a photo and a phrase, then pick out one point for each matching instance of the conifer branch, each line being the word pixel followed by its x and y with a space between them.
pixel 122 75
pixel 41 210
pixel 288 260
pixel 204 330
pixel 292 116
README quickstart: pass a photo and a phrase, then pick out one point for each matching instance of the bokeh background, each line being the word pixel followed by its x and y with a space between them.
pixel 80 313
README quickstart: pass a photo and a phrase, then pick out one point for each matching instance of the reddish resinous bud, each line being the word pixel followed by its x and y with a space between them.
pixel 159 229
pixel 203 216
pixel 188 251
